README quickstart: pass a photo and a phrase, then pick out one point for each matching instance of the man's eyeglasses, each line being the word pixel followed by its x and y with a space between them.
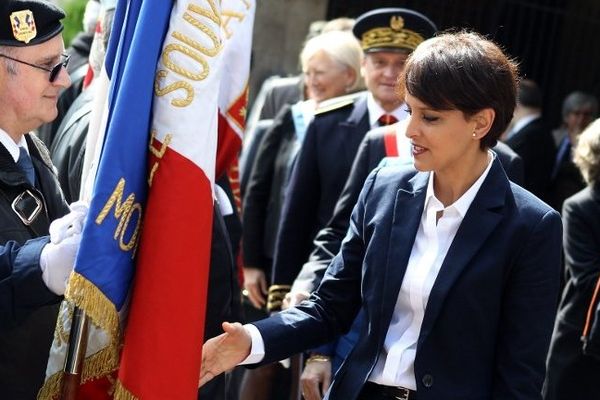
pixel 54 71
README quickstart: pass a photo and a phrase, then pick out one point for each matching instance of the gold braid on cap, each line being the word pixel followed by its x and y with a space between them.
pixel 394 36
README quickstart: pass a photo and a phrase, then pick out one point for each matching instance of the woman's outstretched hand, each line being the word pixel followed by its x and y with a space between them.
pixel 225 351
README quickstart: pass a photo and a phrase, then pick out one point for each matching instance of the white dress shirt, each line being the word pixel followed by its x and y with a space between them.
pixel 395 366
pixel 376 112
pixel 11 146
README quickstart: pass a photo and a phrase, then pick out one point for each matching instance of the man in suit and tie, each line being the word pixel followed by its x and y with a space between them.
pixel 387 37
pixel 33 270
pixel 531 140
pixel 579 110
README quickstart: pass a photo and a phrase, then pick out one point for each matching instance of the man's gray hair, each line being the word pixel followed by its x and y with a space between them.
pixel 576 100
pixel 11 66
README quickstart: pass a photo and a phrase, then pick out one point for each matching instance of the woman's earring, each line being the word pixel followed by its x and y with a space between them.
pixel 474 134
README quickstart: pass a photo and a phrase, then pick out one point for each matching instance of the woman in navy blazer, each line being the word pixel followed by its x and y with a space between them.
pixel 455 268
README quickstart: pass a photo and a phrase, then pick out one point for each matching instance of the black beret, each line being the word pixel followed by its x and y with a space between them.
pixel 28 22
pixel 392 29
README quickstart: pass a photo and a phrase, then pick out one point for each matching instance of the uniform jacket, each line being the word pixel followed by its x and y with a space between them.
pixel 28 308
pixel 318 177
pixel 370 153
pixel 489 318
pixel 571 373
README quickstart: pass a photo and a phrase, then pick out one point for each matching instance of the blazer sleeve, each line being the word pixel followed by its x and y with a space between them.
pixel 256 199
pixel 330 310
pixel 530 294
pixel 328 240
pixel 22 289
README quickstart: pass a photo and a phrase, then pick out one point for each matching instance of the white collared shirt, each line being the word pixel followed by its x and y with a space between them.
pixel 11 146
pixel 395 366
pixel 375 111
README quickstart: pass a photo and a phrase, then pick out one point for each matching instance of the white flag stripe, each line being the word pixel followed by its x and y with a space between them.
pixel 189 58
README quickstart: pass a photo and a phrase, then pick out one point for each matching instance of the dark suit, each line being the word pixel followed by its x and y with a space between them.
pixel 318 177
pixel 370 153
pixel 223 300
pixel 489 317
pixel 566 179
pixel 571 374
pixel 535 145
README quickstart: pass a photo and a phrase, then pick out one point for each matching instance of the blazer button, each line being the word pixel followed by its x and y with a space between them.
pixel 427 380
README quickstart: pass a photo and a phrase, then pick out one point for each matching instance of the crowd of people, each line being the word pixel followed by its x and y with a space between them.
pixel 411 226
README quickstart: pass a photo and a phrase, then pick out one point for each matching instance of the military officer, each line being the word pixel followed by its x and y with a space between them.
pixel 33 270
pixel 387 36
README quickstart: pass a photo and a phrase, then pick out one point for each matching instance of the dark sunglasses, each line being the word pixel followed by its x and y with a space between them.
pixel 54 71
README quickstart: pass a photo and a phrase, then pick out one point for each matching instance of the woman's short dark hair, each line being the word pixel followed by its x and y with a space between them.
pixel 463 71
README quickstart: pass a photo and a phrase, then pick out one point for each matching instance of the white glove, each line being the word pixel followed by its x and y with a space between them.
pixel 70 224
pixel 57 262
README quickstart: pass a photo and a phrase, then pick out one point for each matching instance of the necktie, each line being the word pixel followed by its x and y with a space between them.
pixel 387 119
pixel 563 151
pixel 26 165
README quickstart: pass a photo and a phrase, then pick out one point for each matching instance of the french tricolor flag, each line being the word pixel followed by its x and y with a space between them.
pixel 142 271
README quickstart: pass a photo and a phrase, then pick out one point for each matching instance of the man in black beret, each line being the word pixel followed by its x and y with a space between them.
pixel 33 269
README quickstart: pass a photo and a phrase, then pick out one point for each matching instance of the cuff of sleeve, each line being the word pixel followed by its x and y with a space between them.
pixel 27 276
pixel 257 352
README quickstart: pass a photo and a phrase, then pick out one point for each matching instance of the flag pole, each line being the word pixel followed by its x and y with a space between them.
pixel 75 355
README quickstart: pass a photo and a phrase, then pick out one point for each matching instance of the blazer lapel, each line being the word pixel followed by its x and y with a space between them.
pixel 408 208
pixel 481 219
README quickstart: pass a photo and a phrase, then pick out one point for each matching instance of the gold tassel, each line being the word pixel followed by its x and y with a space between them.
pixel 121 393
pixel 96 305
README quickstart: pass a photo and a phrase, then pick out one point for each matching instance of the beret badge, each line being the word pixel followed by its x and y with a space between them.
pixel 23 25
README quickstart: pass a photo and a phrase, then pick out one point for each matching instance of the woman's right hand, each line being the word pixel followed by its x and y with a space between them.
pixel 315 379
pixel 255 284
pixel 225 351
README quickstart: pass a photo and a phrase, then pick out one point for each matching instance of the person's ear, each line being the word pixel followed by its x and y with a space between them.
pixel 482 122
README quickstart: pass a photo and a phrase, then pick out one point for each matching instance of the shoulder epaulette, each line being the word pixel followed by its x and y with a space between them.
pixel 336 103
pixel 42 150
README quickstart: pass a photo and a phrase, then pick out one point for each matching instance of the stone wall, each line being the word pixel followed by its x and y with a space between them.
pixel 279 30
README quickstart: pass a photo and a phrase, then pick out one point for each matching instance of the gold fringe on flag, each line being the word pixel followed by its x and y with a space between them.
pixel 96 305
pixel 121 393
pixel 102 313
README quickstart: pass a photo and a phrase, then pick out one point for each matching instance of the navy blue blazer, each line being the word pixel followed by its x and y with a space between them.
pixel 490 313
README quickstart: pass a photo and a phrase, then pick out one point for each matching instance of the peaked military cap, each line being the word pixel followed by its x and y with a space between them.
pixel 28 22
pixel 392 29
